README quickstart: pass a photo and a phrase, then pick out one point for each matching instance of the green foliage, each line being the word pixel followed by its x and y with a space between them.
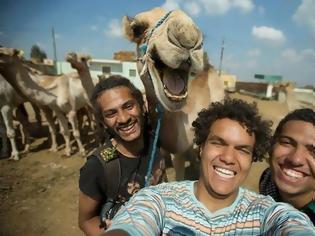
pixel 37 54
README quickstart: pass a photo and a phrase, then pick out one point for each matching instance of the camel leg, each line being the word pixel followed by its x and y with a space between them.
pixel 4 139
pixel 7 115
pixel 52 129
pixel 179 166
pixel 74 123
pixel 64 129
pixel 21 116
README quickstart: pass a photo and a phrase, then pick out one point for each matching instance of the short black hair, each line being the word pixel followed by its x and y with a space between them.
pixel 303 114
pixel 244 113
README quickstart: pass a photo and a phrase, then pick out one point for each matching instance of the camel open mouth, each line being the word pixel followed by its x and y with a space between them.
pixel 173 82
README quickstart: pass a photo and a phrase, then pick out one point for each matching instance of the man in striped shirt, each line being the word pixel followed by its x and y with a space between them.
pixel 230 136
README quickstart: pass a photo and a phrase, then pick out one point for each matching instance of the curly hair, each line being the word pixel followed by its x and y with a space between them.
pixel 238 110
pixel 103 85
pixel 304 114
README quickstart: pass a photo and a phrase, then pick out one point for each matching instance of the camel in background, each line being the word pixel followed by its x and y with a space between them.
pixel 10 102
pixel 170 49
pixel 62 94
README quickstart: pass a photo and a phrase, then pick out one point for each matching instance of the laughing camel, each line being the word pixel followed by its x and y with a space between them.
pixel 170 49
pixel 62 94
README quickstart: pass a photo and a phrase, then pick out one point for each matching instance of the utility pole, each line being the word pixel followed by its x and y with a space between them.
pixel 221 57
pixel 55 49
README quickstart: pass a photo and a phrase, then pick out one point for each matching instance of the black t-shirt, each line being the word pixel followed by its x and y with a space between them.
pixel 92 178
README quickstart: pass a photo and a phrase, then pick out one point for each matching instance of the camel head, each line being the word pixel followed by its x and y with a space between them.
pixel 9 55
pixel 78 61
pixel 169 48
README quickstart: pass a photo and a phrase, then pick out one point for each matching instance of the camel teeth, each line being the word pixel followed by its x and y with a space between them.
pixel 175 97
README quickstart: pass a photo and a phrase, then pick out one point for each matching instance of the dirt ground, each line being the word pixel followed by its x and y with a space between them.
pixel 39 193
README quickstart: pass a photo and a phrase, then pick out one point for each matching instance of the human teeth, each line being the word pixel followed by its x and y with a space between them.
pixel 224 172
pixel 293 173
pixel 127 127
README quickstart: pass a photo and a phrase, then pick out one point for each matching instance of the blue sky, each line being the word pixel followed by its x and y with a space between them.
pixel 263 36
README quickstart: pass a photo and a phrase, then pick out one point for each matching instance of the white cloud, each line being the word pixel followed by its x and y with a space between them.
pixel 192 8
pixel 114 28
pixel 268 34
pixel 171 5
pixel 254 52
pixel 308 53
pixel 216 7
pixel 94 28
pixel 210 7
pixel 1 33
pixel 291 55
pixel 243 5
pixel 304 15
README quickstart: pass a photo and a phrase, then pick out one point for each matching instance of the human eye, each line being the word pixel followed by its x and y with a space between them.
pixel 285 141
pixel 109 114
pixel 245 151
pixel 311 150
pixel 129 105
pixel 216 141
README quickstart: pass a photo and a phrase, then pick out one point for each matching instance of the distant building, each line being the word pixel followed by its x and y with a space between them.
pixel 229 82
pixel 107 67
pixel 125 56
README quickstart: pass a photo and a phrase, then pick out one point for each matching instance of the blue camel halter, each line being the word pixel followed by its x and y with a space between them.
pixel 158 109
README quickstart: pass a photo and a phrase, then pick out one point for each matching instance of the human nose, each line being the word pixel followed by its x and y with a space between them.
pixel 298 155
pixel 227 155
pixel 123 116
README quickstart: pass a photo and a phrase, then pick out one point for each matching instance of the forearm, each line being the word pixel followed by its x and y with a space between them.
pixel 91 227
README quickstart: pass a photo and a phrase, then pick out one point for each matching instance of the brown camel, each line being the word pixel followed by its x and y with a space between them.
pixel 62 94
pixel 170 49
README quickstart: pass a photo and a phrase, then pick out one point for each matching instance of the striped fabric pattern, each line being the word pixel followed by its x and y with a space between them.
pixel 172 209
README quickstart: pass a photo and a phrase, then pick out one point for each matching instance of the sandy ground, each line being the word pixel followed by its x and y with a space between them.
pixel 39 193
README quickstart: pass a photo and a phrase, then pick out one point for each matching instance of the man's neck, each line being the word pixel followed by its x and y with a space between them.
pixel 299 200
pixel 212 201
pixel 129 149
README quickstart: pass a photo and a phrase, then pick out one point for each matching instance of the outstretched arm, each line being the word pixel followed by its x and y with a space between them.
pixel 283 219
pixel 142 215
pixel 89 220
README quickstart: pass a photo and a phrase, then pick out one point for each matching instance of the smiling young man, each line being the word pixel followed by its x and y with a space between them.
pixel 291 176
pixel 114 172
pixel 230 136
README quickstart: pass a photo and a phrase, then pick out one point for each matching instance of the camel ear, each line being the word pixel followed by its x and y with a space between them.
pixel 133 29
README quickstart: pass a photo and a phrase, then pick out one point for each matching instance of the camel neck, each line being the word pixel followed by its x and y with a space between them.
pixel 86 80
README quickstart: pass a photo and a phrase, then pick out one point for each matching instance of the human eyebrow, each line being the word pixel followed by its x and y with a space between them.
pixel 216 140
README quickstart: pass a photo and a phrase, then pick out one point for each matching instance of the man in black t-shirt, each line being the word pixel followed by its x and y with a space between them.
pixel 116 170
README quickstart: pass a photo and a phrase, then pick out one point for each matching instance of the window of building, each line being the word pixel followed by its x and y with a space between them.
pixel 132 73
pixel 106 70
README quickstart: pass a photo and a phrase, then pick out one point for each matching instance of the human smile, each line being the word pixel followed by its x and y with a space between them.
pixel 223 172
pixel 128 128
pixel 291 175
